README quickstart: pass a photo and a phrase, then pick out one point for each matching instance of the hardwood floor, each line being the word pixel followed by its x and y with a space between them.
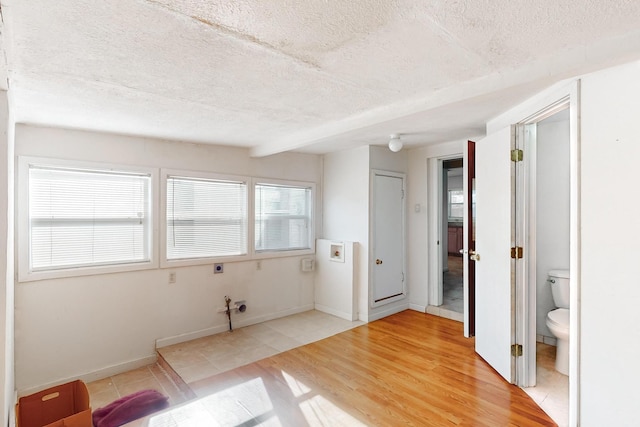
pixel 409 369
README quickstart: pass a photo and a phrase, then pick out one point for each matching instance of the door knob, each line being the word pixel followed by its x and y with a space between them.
pixel 474 256
pixel 378 261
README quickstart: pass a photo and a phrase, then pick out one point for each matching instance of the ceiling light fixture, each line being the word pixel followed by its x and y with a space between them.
pixel 395 144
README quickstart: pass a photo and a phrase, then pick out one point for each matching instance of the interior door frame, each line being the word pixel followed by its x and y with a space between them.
pixel 568 92
pixel 435 231
pixel 526 310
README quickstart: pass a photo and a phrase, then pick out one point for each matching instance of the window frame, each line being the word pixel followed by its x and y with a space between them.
pixel 454 218
pixel 273 253
pixel 157 218
pixel 23 244
pixel 164 175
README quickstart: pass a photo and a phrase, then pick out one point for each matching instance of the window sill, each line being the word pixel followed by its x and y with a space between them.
pixel 26 276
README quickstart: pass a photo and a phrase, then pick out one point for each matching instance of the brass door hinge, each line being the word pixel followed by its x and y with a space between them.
pixel 516 350
pixel 516 252
pixel 516 155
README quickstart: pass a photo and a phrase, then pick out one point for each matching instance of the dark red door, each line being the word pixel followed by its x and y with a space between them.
pixel 471 226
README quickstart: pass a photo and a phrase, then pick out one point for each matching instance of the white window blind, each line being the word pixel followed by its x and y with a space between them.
pixel 205 218
pixel 81 218
pixel 282 217
pixel 456 204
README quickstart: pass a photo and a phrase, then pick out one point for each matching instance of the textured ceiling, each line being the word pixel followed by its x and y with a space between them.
pixel 314 76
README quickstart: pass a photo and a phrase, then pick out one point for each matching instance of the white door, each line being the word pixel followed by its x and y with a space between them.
pixel 494 284
pixel 388 238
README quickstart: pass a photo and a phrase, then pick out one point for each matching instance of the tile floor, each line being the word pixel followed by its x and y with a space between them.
pixel 551 392
pixel 208 356
pixel 105 391
pixel 452 294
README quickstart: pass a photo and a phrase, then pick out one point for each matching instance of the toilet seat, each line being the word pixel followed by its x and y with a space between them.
pixel 559 318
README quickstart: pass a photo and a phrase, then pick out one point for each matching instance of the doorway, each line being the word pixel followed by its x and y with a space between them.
pixel 507 312
pixel 452 265
pixel 447 189
pixel 453 207
pixel 548 190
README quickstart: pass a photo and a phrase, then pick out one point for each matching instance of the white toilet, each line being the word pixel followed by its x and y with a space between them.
pixel 558 319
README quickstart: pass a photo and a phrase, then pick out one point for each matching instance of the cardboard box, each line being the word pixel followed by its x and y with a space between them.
pixel 65 405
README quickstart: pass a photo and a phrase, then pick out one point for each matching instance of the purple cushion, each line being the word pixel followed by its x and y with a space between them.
pixel 129 408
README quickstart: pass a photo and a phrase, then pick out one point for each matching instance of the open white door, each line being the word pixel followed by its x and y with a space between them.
pixel 494 284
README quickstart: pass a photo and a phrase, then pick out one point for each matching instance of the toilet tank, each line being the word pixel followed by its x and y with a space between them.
pixel 559 281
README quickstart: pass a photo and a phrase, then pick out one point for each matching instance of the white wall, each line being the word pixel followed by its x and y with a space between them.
pixel 7 378
pixel 552 209
pixel 417 267
pixel 94 326
pixel 610 290
pixel 385 159
pixel 334 285
pixel 346 212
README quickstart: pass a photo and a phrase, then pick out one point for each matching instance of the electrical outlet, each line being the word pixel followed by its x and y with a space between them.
pixel 218 268
pixel 172 277
pixel 306 264
pixel 258 265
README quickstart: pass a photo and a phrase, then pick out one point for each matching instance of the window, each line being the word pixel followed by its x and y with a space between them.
pixel 283 217
pixel 86 217
pixel 205 218
pixel 456 205
pixel 81 218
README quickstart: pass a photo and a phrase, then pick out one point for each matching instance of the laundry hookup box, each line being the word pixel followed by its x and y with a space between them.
pixel 65 405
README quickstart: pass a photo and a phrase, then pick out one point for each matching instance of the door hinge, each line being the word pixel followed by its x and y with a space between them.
pixel 516 253
pixel 516 155
pixel 516 350
pixel 402 194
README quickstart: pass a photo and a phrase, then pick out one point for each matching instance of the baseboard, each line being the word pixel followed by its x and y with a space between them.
pixel 189 336
pixel 237 322
pixel 95 375
pixel 547 340
pixel 341 314
pixel 388 312
pixel 416 307
pixel 447 314
pixel 432 309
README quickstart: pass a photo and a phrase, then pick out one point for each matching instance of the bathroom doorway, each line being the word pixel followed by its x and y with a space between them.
pixel 548 189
